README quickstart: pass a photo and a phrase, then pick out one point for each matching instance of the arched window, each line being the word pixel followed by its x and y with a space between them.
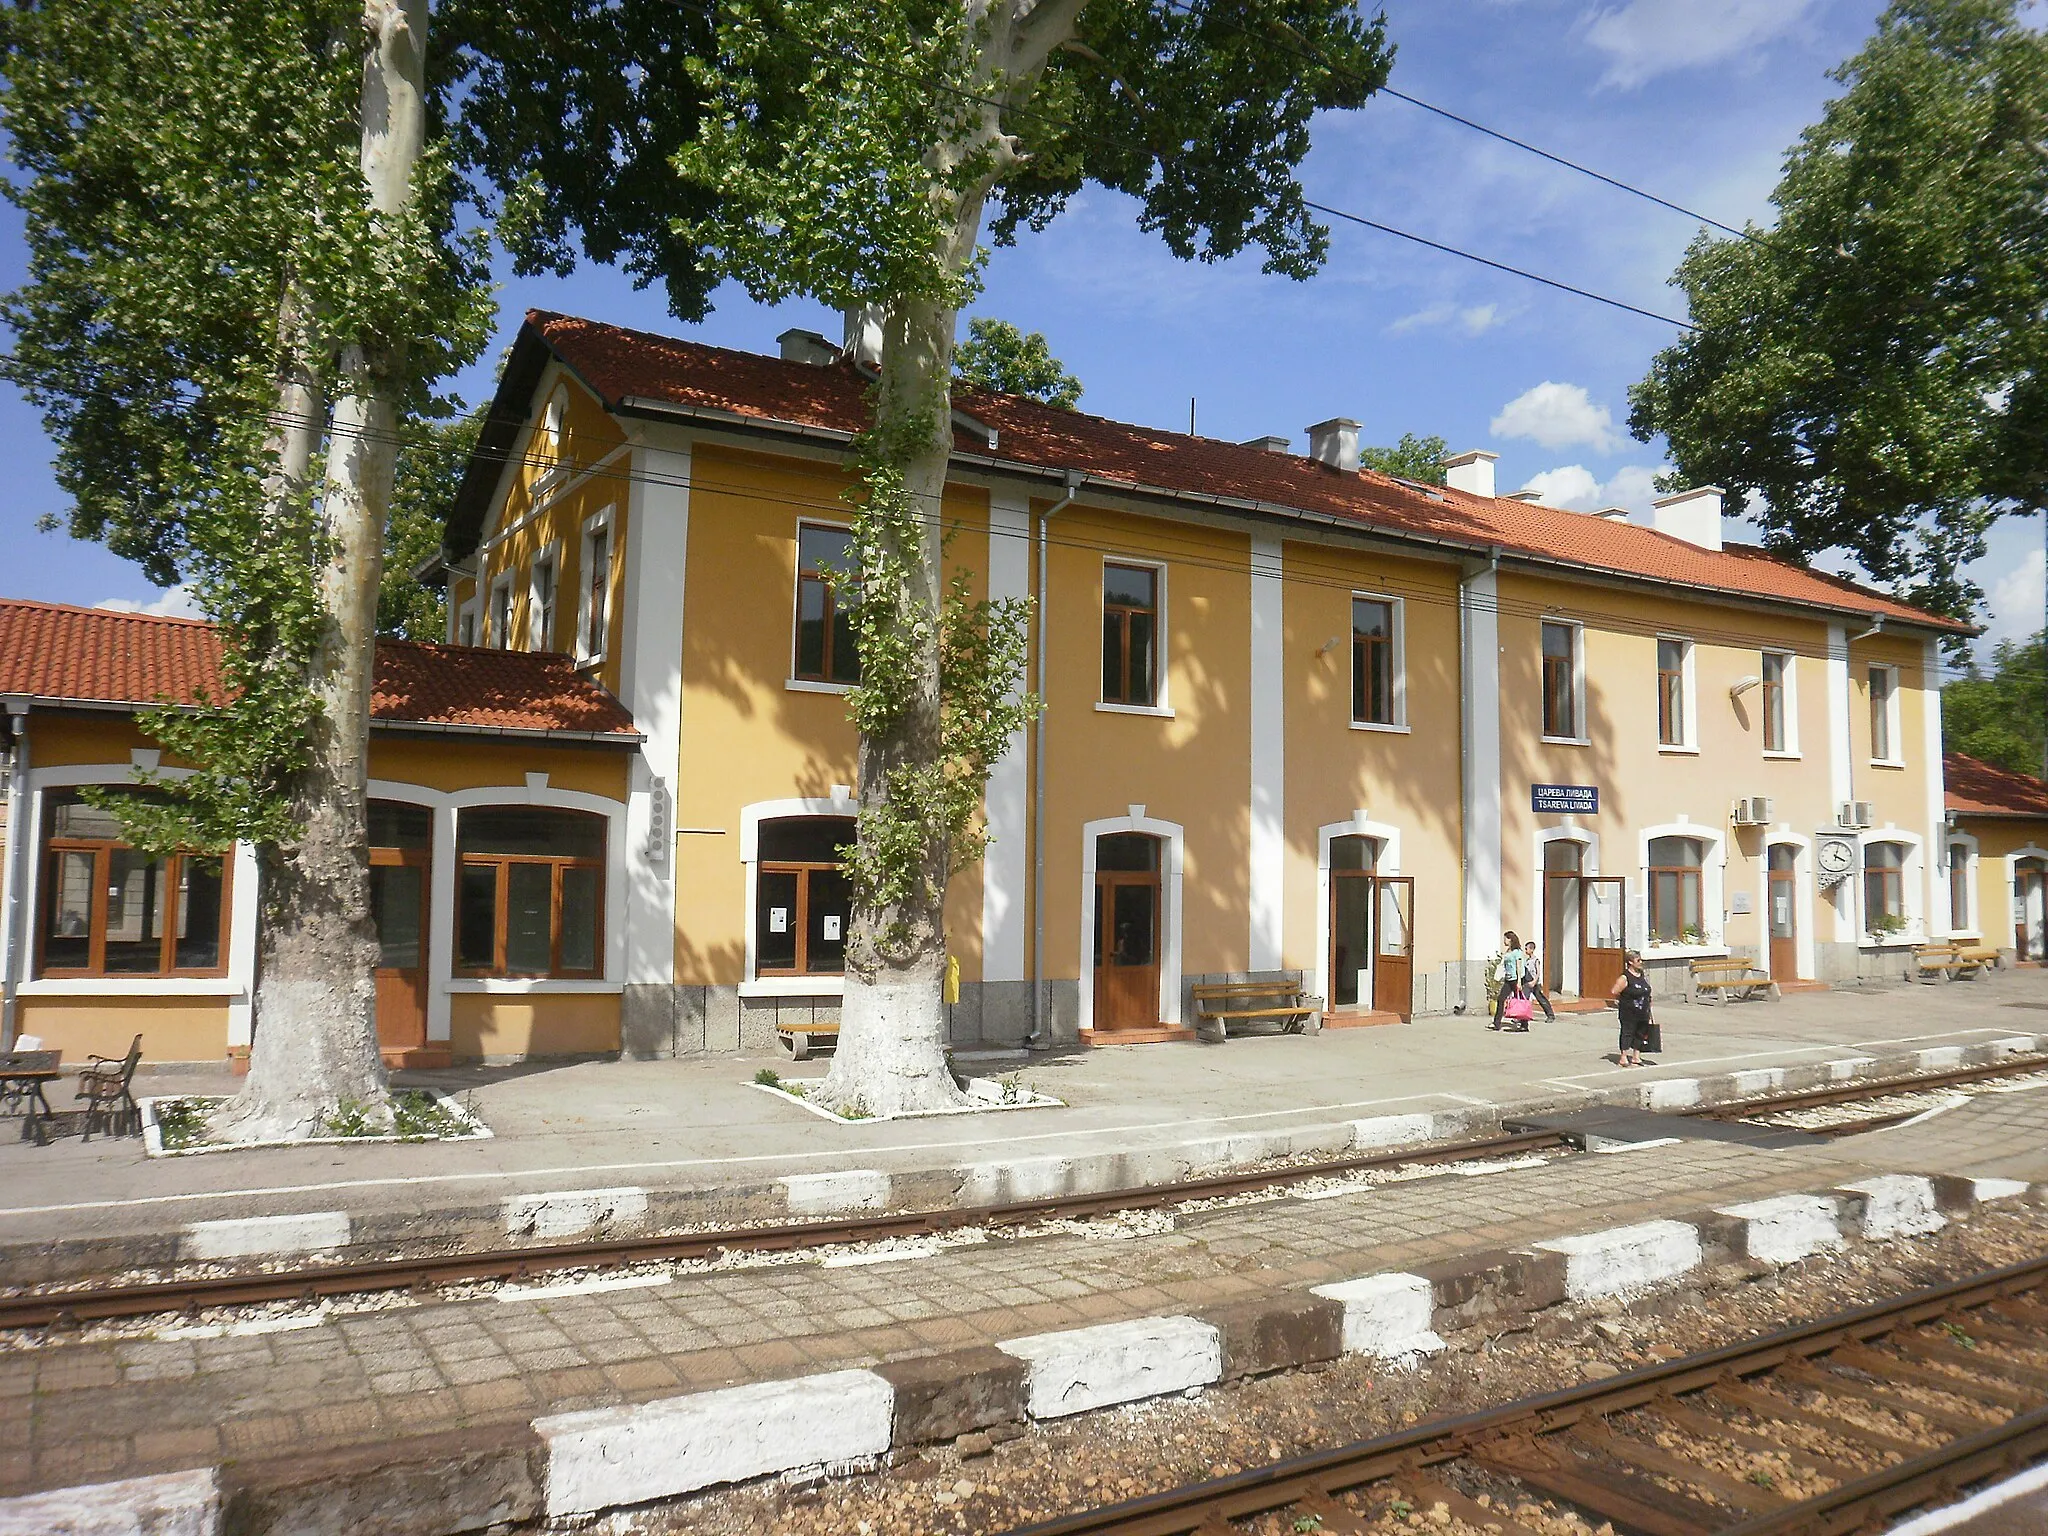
pixel 552 420
pixel 1675 916
pixel 1884 888
pixel 802 902
pixel 531 897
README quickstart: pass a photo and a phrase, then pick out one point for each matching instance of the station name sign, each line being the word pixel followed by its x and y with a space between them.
pixel 1565 799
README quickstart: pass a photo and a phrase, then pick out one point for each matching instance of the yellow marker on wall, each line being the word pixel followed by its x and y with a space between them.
pixel 952 992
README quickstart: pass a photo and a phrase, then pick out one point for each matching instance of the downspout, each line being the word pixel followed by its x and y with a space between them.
pixel 10 872
pixel 1466 719
pixel 1039 1039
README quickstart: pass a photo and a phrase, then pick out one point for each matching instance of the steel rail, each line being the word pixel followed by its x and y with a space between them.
pixel 1868 1088
pixel 1318 1476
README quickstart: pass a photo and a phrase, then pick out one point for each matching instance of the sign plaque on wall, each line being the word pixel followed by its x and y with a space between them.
pixel 1565 799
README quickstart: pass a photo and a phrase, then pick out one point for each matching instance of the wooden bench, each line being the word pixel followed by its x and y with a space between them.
pixel 801 1040
pixel 1720 978
pixel 1946 962
pixel 1988 956
pixel 1280 1000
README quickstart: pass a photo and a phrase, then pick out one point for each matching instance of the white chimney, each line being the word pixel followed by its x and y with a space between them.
pixel 1525 494
pixel 801 346
pixel 1694 516
pixel 1612 514
pixel 1269 444
pixel 1470 472
pixel 863 336
pixel 1335 442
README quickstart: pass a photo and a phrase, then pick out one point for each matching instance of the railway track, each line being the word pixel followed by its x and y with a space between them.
pixel 310 1283
pixel 1831 1427
pixel 1863 1092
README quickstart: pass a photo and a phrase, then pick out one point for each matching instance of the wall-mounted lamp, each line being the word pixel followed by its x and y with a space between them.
pixel 1742 685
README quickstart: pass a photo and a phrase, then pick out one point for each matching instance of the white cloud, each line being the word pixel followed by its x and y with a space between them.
pixel 1473 319
pixel 1646 38
pixel 171 603
pixel 1557 416
pixel 1577 489
pixel 2016 600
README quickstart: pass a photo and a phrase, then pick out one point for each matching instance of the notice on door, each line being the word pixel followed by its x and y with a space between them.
pixel 832 926
pixel 778 919
pixel 1565 799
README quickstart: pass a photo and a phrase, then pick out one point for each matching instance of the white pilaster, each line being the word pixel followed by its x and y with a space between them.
pixel 651 685
pixel 1479 686
pixel 1268 873
pixel 1841 772
pixel 1006 866
pixel 1936 846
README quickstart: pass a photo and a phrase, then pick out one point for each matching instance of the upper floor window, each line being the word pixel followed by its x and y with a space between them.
pixel 1884 714
pixel 1560 680
pixel 826 648
pixel 594 602
pixel 1375 661
pixel 1884 890
pixel 1675 914
pixel 112 910
pixel 465 623
pixel 531 896
pixel 1673 663
pixel 501 613
pixel 1130 635
pixel 1777 701
pixel 802 903
pixel 540 608
pixel 552 420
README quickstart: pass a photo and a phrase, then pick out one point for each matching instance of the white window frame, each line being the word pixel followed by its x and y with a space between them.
pixel 1791 747
pixel 548 437
pixel 1688 743
pixel 1161 706
pixel 1580 723
pixel 499 634
pixel 1897 756
pixel 471 614
pixel 752 983
pixel 1713 890
pixel 1399 724
pixel 791 681
pixel 590 647
pixel 1973 926
pixel 1912 889
pixel 544 618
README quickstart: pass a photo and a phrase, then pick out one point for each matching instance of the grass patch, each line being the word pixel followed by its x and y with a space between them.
pixel 415 1116
pixel 182 1122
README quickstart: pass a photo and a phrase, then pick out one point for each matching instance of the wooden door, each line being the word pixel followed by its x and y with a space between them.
pixel 1351 901
pixel 1603 905
pixel 1393 964
pixel 1126 949
pixel 398 906
pixel 1783 916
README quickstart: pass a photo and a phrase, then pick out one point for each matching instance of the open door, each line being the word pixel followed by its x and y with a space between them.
pixel 1602 910
pixel 1393 971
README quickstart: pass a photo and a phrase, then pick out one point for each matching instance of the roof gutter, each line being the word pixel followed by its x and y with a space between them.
pixel 628 739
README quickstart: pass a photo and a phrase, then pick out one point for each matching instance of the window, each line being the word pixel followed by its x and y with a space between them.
pixel 1375 662
pixel 552 421
pixel 1959 889
pixel 1884 688
pixel 540 603
pixel 595 618
pixel 826 650
pixel 802 903
pixel 112 910
pixel 465 623
pixel 1777 673
pixel 1884 896
pixel 531 897
pixel 501 613
pixel 1130 635
pixel 1675 916
pixel 1672 659
pixel 1560 681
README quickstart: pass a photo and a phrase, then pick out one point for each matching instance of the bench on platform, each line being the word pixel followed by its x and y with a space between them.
pixel 1279 999
pixel 1948 962
pixel 801 1038
pixel 1720 978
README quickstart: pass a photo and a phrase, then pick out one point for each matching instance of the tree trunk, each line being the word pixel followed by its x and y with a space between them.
pixel 315 1044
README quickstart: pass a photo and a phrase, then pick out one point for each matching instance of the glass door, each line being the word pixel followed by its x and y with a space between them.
pixel 1393 974
pixel 1602 910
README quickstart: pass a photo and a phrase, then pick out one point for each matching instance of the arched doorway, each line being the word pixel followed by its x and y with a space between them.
pixel 1127 931
pixel 1782 913
pixel 1372 930
pixel 2030 908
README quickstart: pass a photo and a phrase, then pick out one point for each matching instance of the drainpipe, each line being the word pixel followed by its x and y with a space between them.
pixel 1040 1039
pixel 10 870
pixel 1467 714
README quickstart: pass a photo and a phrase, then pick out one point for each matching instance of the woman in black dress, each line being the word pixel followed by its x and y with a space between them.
pixel 1631 992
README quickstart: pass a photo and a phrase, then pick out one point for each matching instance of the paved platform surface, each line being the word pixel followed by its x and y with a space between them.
pixel 701 1122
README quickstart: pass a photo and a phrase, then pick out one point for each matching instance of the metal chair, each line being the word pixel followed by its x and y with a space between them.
pixel 13 1095
pixel 103 1084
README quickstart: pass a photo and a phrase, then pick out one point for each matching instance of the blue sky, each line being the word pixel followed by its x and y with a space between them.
pixel 1694 99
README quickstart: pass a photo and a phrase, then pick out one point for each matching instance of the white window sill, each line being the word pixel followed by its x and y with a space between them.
pixel 1890 941
pixel 135 986
pixel 514 985
pixel 1374 725
pixel 794 986
pixel 804 685
pixel 1782 757
pixel 1669 749
pixel 1967 933
pixel 1568 741
pixel 1156 711
pixel 1887 762
pixel 590 663
pixel 1686 952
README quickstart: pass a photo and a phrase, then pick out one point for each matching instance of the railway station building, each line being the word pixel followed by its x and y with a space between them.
pixel 1997 850
pixel 1298 716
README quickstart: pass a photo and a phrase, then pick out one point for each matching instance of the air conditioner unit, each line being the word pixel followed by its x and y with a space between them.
pixel 1855 815
pixel 1753 811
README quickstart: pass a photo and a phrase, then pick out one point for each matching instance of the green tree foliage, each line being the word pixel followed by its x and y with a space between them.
pixel 1873 371
pixel 429 473
pixel 998 356
pixel 1998 718
pixel 1413 458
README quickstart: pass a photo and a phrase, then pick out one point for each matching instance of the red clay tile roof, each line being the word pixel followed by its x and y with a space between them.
pixel 618 364
pixel 61 654
pixel 1977 788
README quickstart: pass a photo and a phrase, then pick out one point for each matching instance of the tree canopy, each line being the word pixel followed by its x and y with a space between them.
pixel 1997 718
pixel 1872 372
pixel 998 356
pixel 1413 458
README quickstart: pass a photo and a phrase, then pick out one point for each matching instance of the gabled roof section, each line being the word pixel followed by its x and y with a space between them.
pixel 1976 788
pixel 56 654
pixel 632 371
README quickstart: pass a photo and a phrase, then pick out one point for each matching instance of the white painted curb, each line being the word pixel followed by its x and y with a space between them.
pixel 1984 1191
pixel 1624 1259
pixel 1787 1227
pixel 1387 1316
pixel 601 1458
pixel 171 1504
pixel 1939 1058
pixel 570 1213
pixel 1383 1132
pixel 246 1237
pixel 846 1189
pixel 1082 1368
pixel 1672 1093
pixel 1897 1205
pixel 2012 1045
pixel 1756 1080
pixel 1846 1067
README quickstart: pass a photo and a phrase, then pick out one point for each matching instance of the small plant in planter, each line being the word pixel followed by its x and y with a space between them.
pixel 768 1077
pixel 1886 925
pixel 1694 936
